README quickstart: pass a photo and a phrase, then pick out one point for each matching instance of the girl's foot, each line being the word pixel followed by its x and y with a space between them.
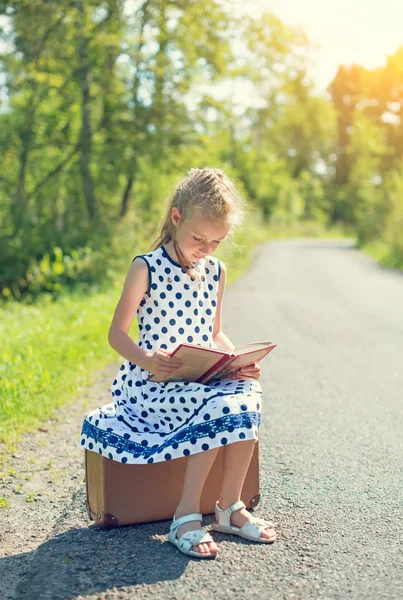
pixel 191 526
pixel 242 516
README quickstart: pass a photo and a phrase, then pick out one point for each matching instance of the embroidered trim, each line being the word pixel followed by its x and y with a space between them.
pixel 228 423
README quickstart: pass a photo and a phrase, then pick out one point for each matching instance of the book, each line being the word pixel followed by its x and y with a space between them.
pixel 203 364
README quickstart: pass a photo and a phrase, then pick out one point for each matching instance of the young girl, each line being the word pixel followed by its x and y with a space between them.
pixel 177 290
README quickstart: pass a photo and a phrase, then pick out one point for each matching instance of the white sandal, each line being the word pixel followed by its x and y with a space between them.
pixel 190 538
pixel 250 531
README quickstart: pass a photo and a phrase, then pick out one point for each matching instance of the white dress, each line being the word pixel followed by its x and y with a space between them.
pixel 151 422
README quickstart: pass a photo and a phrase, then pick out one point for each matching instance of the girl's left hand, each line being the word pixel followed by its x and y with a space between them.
pixel 251 371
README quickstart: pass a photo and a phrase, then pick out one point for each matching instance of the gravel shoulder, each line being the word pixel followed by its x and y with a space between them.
pixel 331 455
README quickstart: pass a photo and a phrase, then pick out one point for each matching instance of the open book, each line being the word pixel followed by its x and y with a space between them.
pixel 209 364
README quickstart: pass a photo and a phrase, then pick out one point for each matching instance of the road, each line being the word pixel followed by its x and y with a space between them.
pixel 331 445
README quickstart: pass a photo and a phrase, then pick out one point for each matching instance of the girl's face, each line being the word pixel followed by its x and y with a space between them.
pixel 197 237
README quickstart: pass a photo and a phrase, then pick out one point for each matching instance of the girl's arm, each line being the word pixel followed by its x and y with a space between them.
pixel 135 287
pixel 219 337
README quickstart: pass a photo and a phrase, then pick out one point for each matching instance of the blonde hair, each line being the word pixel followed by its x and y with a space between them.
pixel 208 190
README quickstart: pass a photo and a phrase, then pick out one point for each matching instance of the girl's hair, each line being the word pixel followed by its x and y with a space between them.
pixel 211 192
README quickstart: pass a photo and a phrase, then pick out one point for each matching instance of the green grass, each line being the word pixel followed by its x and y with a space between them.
pixel 383 254
pixel 51 350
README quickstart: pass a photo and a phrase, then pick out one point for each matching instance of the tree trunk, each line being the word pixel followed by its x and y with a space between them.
pixel 131 175
pixel 85 142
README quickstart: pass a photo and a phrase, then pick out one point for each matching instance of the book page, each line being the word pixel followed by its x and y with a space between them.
pixel 235 364
pixel 243 348
pixel 251 357
pixel 197 360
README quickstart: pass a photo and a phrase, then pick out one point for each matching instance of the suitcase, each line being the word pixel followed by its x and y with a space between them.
pixel 124 494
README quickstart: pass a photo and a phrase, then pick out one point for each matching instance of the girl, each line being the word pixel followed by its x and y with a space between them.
pixel 176 290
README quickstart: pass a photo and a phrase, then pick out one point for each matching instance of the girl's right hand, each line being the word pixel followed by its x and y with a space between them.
pixel 163 364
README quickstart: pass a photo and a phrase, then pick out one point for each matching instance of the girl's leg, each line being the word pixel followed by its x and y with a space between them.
pixel 197 469
pixel 237 457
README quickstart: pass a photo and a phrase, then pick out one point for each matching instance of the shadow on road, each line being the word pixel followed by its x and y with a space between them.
pixel 91 560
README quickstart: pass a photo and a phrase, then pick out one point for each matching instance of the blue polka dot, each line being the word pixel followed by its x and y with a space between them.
pixel 181 330
pixel 180 313
pixel 167 270
pixel 172 322
pixel 169 287
pixel 186 452
pixel 224 440
pixel 150 460
pixel 172 339
pixel 178 295
pixel 242 435
pixel 244 407
pixel 205 447
pixel 168 456
pixel 188 303
pixel 225 410
pixel 163 295
pixel 124 459
pixel 188 321
pixel 189 339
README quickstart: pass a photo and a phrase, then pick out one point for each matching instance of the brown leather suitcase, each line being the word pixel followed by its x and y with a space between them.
pixel 124 494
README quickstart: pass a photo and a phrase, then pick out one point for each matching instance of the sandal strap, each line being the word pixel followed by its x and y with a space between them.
pixel 194 538
pixel 237 506
pixel 254 528
pixel 176 523
pixel 224 514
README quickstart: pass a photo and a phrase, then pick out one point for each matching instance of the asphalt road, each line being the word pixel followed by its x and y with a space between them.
pixel 331 445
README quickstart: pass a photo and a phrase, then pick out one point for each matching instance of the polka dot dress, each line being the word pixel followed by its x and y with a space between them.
pixel 149 422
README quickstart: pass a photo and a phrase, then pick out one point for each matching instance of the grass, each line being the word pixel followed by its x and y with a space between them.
pixel 51 350
pixel 383 254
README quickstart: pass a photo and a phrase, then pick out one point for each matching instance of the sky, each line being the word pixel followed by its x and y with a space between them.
pixel 348 31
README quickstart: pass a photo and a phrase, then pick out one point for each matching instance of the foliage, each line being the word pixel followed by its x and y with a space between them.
pixel 105 107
